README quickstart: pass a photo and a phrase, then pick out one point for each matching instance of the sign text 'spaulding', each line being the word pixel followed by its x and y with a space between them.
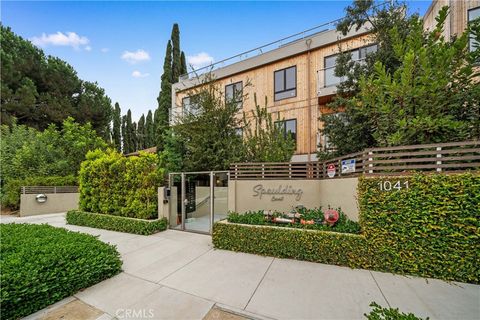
pixel 282 190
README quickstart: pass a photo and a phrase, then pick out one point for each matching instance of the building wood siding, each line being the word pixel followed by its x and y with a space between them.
pixel 306 100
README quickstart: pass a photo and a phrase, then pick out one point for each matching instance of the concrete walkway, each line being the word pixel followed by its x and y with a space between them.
pixel 178 275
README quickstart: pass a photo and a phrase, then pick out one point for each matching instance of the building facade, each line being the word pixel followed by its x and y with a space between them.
pixel 298 78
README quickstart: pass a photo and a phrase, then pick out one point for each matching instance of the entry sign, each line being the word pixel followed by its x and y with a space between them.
pixel 331 170
pixel 348 166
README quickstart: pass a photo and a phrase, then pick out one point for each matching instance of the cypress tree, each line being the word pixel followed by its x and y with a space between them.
pixel 149 131
pixel 164 99
pixel 176 55
pixel 116 131
pixel 141 133
pixel 130 136
pixel 134 136
pixel 184 64
pixel 125 138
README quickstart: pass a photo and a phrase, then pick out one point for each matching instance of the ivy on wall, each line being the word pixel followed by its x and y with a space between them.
pixel 426 225
pixel 112 184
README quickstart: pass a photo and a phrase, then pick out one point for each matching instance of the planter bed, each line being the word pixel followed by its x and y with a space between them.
pixel 329 247
pixel 116 223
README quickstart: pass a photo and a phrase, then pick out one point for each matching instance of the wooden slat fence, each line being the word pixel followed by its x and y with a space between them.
pixel 401 160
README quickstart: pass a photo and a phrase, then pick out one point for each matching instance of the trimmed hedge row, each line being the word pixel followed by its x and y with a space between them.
pixel 115 223
pixel 430 229
pixel 111 183
pixel 282 242
pixel 42 264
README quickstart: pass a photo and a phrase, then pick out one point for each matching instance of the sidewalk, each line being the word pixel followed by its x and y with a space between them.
pixel 178 275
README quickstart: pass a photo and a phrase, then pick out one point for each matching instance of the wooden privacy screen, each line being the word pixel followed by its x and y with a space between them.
pixel 401 160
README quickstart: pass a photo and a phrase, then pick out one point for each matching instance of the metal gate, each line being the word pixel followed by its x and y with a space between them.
pixel 198 200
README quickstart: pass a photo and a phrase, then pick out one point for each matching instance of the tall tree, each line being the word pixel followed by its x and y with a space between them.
pixel 125 138
pixel 130 133
pixel 164 99
pixel 134 137
pixel 184 69
pixel 141 135
pixel 149 130
pixel 417 88
pixel 39 90
pixel 116 131
pixel 176 54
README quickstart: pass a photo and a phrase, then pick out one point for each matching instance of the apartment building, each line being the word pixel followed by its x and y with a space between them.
pixel 297 78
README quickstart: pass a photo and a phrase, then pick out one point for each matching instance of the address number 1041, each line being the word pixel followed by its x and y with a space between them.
pixel 392 185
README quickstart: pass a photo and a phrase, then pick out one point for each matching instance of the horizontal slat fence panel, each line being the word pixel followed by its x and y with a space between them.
pixel 49 189
pixel 448 157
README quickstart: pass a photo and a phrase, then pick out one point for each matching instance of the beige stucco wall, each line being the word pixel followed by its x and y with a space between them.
pixel 56 203
pixel 315 193
pixel 340 193
pixel 245 198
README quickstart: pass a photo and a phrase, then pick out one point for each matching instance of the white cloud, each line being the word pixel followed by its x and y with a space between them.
pixel 104 50
pixel 199 60
pixel 138 74
pixel 137 56
pixel 88 48
pixel 69 39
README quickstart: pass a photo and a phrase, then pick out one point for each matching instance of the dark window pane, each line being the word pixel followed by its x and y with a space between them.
pixel 279 81
pixel 291 126
pixel 330 61
pixel 229 92
pixel 286 94
pixel 291 78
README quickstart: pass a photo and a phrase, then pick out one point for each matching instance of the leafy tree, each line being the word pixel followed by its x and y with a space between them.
pixel 141 135
pixel 263 140
pixel 39 90
pixel 135 137
pixel 164 99
pixel 149 131
pixel 116 131
pixel 130 130
pixel 27 152
pixel 417 87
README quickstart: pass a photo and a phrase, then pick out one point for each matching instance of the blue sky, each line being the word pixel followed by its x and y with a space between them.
pixel 121 45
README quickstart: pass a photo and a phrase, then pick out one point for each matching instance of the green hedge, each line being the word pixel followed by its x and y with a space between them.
pixel 311 245
pixel 42 264
pixel 10 196
pixel 115 223
pixel 431 229
pixel 113 184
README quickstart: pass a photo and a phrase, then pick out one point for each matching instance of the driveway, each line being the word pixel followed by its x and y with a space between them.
pixel 178 275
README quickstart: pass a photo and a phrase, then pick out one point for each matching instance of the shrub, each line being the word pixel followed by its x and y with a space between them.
pixel 311 245
pixel 431 229
pixel 11 190
pixel 112 184
pixel 115 223
pixel 380 313
pixel 257 218
pixel 42 264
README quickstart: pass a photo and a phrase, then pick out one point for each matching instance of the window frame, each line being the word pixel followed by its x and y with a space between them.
pixel 237 101
pixel 468 22
pixel 285 127
pixel 190 105
pixel 336 54
pixel 275 92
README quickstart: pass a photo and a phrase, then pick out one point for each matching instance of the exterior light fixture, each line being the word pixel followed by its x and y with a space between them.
pixel 41 198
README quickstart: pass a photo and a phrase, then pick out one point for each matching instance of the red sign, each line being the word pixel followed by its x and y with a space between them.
pixel 331 170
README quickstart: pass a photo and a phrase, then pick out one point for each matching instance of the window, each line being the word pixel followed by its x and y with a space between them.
pixel 472 15
pixel 285 83
pixel 234 94
pixel 358 55
pixel 239 132
pixel 190 105
pixel 288 128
